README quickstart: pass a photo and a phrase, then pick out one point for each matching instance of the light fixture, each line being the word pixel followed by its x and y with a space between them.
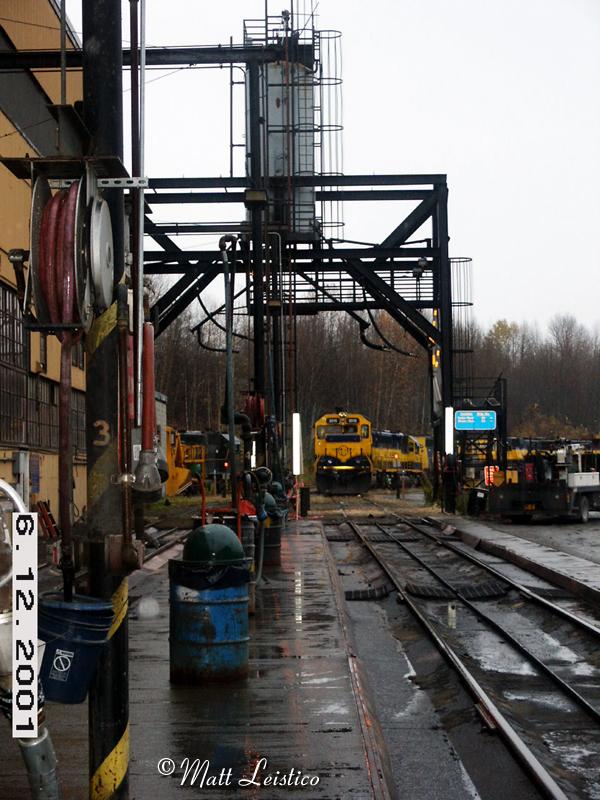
pixel 419 268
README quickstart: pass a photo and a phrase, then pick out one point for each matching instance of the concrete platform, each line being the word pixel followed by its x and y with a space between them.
pixel 302 708
pixel 573 573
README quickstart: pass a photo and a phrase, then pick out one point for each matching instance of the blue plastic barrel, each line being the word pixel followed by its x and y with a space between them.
pixel 74 634
pixel 209 633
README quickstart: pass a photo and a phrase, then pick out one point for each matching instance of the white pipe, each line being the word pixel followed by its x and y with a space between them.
pixel 7 489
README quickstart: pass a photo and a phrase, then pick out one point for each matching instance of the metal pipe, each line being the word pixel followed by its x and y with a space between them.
pixel 40 763
pixel 256 179
pixel 229 364
pixel 14 496
pixel 65 469
pixel 139 287
pixel 282 346
pixel 147 484
pixel 148 408
pixel 63 55
pixel 135 205
pixel 126 477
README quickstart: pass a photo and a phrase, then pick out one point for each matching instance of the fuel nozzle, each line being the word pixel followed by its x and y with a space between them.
pixel 147 484
pixel 263 476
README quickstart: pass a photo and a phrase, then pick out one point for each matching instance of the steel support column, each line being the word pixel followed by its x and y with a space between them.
pixel 109 697
pixel 257 239
pixel 445 286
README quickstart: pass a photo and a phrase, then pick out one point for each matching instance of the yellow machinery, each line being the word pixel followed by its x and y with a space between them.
pixel 186 462
pixel 343 444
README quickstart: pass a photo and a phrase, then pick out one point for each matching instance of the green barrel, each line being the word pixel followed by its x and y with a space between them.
pixel 208 599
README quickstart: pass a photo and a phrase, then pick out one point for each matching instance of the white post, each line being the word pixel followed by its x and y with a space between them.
pixel 449 431
pixel 297 456
pixel 296 444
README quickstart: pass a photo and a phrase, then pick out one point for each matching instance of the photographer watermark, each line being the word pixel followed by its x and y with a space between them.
pixel 198 773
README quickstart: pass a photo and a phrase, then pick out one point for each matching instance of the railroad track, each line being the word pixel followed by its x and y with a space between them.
pixel 531 665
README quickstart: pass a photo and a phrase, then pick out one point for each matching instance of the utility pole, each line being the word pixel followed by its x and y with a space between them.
pixel 109 695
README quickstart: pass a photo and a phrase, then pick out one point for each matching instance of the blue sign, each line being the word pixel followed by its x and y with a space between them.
pixel 475 420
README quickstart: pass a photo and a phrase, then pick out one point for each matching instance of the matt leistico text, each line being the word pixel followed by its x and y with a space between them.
pixel 197 773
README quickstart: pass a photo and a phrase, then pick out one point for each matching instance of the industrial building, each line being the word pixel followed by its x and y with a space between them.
pixel 29 360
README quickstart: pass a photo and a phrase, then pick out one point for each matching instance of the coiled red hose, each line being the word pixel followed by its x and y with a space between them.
pixel 57 282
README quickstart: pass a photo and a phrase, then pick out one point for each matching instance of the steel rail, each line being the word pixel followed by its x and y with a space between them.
pixel 531 595
pixel 541 665
pixel 539 773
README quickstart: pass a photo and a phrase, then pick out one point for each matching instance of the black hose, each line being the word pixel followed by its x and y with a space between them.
pixel 261 550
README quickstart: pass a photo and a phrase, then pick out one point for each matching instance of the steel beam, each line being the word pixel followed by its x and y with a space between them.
pixel 175 267
pixel 445 283
pixel 183 228
pixel 334 254
pixel 404 313
pixel 299 180
pixel 363 195
pixel 182 301
pixel 310 308
pixel 412 222
pixel 155 57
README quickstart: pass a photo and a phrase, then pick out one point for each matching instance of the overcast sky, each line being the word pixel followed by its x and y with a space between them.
pixel 503 96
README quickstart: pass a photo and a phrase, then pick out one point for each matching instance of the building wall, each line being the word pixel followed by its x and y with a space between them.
pixel 33 24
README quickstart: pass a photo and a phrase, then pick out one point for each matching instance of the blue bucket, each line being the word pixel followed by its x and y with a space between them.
pixel 74 634
pixel 209 636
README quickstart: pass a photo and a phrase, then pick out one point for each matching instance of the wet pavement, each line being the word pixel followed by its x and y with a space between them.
pixel 301 714
pixel 297 709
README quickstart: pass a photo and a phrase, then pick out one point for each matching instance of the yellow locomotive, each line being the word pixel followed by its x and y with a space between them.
pixel 397 456
pixel 343 443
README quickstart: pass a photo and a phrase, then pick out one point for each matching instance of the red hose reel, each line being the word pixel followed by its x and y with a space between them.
pixel 71 255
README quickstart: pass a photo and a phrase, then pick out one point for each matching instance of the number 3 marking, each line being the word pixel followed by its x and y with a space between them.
pixel 103 433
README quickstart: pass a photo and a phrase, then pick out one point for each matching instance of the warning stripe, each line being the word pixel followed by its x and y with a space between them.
pixel 101 328
pixel 110 774
pixel 97 473
pixel 120 604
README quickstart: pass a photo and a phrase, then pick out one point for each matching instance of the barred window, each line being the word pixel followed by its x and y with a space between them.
pixel 42 413
pixel 29 403
pixel 78 422
pixel 12 405
pixel 13 348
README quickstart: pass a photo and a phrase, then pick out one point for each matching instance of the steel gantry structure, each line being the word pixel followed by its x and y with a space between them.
pixel 396 276
pixel 402 279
